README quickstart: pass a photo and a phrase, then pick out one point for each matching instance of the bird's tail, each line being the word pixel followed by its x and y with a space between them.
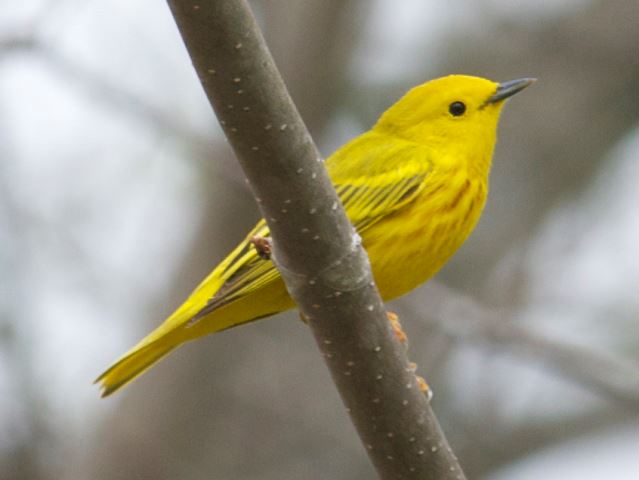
pixel 169 335
pixel 197 317
pixel 156 345
pixel 134 363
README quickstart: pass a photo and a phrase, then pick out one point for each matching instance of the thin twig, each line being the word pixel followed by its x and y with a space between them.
pixel 463 318
pixel 314 246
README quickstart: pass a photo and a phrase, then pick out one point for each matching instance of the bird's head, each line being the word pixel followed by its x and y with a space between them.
pixel 457 114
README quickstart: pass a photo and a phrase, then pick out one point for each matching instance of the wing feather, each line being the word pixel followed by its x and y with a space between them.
pixel 369 190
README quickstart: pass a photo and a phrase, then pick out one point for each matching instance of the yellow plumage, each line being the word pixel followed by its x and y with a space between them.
pixel 413 186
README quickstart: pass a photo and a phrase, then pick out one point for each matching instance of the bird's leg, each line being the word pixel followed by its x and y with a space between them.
pixel 397 327
pixel 262 246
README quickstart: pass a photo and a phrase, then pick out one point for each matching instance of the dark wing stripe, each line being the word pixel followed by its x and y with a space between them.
pixel 369 204
pixel 366 200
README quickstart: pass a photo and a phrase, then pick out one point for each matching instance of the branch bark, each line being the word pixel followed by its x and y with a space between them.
pixel 315 248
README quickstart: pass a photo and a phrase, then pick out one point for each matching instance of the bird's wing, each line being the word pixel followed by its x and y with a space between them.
pixel 367 203
pixel 368 195
pixel 242 272
pixel 376 175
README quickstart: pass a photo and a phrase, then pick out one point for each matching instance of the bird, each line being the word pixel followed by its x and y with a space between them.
pixel 413 187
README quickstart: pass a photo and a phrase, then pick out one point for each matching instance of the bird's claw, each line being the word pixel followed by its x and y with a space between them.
pixel 397 327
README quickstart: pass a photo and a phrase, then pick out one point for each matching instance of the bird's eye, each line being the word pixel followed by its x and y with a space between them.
pixel 457 108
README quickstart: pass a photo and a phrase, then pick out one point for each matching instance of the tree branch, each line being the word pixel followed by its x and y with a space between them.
pixel 314 245
pixel 462 318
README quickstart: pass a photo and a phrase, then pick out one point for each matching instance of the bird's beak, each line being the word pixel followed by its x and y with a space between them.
pixel 507 89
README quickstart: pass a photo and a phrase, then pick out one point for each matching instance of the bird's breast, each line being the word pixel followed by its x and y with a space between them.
pixel 411 245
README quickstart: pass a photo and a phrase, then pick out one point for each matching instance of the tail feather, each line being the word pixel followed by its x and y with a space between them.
pixel 133 364
pixel 178 328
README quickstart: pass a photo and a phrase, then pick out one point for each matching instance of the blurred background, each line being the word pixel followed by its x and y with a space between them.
pixel 118 193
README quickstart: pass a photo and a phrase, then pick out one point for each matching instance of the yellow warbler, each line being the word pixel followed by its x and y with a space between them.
pixel 413 186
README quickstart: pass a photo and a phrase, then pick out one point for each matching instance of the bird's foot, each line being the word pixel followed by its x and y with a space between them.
pixel 421 383
pixel 397 327
pixel 424 387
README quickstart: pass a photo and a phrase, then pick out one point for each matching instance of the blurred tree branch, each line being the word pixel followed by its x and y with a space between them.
pixel 463 318
pixel 400 430
pixel 116 96
pixel 507 444
pixel 12 43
